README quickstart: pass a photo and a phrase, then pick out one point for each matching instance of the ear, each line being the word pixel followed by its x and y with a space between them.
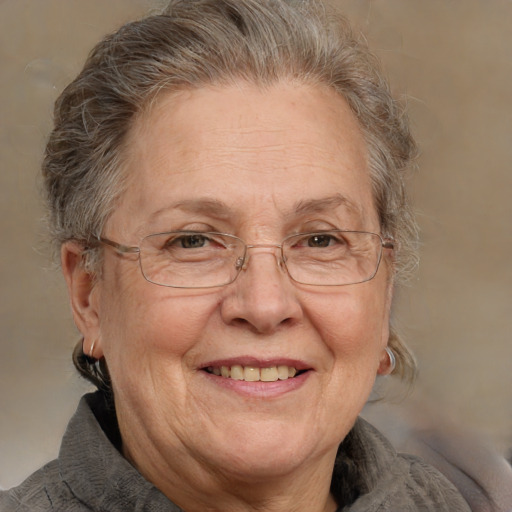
pixel 384 362
pixel 83 294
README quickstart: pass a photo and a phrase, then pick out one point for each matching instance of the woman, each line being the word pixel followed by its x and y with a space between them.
pixel 225 182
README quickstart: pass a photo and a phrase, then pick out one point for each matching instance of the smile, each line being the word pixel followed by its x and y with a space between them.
pixel 254 373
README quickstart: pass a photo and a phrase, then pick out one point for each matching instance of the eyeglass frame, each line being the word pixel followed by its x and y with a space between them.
pixel 242 261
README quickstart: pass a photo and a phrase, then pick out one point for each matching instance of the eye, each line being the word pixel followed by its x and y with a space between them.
pixel 180 241
pixel 195 241
pixel 320 240
pixel 328 240
pixel 192 240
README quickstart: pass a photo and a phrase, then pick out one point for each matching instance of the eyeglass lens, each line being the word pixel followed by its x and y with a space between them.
pixel 202 260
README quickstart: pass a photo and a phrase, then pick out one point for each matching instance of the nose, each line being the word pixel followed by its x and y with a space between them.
pixel 263 297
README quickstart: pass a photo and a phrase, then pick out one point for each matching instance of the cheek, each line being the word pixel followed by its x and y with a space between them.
pixel 150 347
pixel 144 325
pixel 352 324
pixel 164 323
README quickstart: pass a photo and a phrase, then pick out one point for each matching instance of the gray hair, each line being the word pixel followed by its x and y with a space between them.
pixel 194 43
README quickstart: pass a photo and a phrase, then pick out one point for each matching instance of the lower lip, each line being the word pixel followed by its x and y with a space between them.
pixel 259 389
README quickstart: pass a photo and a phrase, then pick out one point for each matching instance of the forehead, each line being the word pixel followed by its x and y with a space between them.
pixel 248 148
pixel 279 117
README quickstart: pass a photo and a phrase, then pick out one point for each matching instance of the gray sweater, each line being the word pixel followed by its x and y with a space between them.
pixel 90 474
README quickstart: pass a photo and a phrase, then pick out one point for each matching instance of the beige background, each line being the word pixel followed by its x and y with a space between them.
pixel 451 57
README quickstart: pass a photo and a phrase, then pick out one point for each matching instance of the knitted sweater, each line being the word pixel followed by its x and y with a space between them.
pixel 90 474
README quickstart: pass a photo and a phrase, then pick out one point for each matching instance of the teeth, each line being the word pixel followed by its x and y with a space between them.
pixel 282 372
pixel 237 372
pixel 253 373
pixel 269 374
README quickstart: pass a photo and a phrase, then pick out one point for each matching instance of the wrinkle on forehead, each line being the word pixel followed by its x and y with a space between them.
pixel 188 105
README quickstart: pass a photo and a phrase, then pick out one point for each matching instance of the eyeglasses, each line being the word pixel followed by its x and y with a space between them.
pixel 192 259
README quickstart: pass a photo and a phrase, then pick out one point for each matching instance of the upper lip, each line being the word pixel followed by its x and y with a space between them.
pixel 257 362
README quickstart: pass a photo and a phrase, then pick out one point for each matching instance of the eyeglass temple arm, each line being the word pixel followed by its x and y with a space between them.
pixel 120 248
pixel 388 244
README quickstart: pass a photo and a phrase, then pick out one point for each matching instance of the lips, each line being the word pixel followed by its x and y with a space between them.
pixel 254 373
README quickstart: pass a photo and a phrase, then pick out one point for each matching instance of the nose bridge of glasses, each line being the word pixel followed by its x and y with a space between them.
pixel 275 249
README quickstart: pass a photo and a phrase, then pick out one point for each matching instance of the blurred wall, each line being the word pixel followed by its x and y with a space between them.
pixel 453 61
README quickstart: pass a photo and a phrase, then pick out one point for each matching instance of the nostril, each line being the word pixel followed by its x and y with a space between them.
pixel 261 327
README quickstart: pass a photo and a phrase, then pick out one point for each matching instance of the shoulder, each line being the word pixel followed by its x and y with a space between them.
pixel 49 488
pixel 386 481
pixel 426 488
pixel 465 456
pixel 43 491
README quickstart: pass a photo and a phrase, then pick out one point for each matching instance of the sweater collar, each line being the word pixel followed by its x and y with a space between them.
pixel 94 469
pixel 100 476
pixel 365 470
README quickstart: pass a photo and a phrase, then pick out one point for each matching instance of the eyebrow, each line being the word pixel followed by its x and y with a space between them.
pixel 205 206
pixel 218 209
pixel 327 203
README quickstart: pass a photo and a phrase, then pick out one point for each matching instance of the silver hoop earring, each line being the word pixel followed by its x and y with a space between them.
pixel 392 360
pixel 91 350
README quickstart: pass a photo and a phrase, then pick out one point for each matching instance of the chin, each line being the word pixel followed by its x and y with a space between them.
pixel 269 449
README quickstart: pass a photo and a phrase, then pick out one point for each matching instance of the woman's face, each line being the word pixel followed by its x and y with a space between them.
pixel 259 164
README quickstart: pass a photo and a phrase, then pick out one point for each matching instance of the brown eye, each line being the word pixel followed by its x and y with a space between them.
pixel 320 240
